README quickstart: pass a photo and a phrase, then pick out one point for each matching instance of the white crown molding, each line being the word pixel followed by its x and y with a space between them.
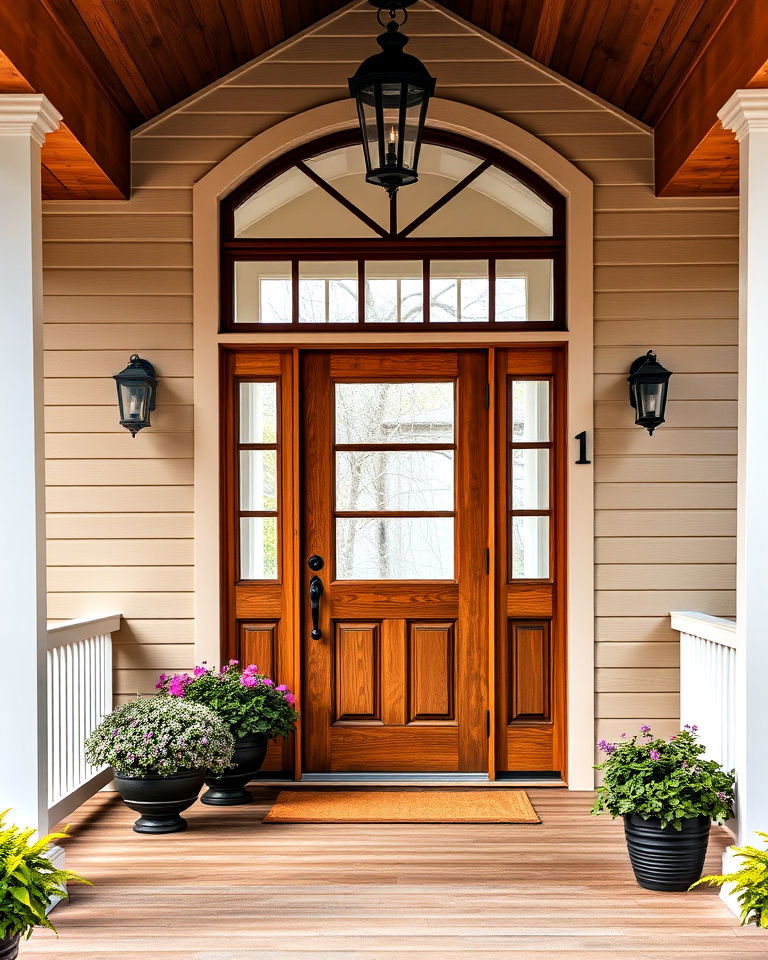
pixel 745 111
pixel 28 114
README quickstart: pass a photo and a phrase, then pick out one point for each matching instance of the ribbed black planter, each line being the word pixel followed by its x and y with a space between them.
pixel 666 859
pixel 9 949
pixel 228 790
pixel 160 799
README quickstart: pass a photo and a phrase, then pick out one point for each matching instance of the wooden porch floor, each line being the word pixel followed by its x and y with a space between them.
pixel 232 888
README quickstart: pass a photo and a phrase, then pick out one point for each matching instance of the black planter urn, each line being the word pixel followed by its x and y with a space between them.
pixel 666 859
pixel 228 790
pixel 160 799
pixel 9 949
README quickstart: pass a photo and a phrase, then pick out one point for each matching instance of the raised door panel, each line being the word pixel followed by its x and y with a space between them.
pixel 529 669
pixel 258 644
pixel 431 672
pixel 357 672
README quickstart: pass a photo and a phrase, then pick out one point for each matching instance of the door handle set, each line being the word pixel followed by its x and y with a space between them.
pixel 315 593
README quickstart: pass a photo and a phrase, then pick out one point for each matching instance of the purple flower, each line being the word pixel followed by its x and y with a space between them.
pixel 694 728
pixel 233 663
pixel 289 698
pixel 148 735
pixel 204 740
pixel 624 735
pixel 267 682
pixel 200 671
pixel 247 681
pixel 654 755
pixel 282 688
pixel 178 685
pixel 721 796
pixel 606 747
pixel 645 729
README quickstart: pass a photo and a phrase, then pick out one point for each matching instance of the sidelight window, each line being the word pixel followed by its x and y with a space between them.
pixel 258 480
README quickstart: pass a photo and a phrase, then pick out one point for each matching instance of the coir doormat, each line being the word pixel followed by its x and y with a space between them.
pixel 402 806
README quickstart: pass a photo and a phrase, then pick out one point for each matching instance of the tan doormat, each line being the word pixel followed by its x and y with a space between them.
pixel 402 806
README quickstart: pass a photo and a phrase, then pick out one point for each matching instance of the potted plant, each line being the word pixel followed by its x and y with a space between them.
pixel 253 707
pixel 749 882
pixel 28 883
pixel 668 795
pixel 160 748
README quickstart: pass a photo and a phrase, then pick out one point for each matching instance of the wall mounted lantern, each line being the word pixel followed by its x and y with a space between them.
pixel 136 390
pixel 648 382
pixel 392 91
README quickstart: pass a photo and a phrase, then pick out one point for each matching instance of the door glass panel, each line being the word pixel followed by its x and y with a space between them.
pixel 328 292
pixel 458 291
pixel 258 412
pixel 524 291
pixel 530 479
pixel 394 291
pixel 529 548
pixel 263 291
pixel 258 480
pixel 394 480
pixel 529 411
pixel 394 548
pixel 394 412
pixel 258 548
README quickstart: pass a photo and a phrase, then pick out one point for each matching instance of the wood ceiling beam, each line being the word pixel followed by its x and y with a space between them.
pixel 90 156
pixel 689 141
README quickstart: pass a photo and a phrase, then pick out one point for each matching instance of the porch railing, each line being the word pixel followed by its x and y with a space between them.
pixel 79 694
pixel 708 681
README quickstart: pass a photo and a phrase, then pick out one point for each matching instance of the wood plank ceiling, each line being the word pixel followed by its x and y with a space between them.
pixel 110 65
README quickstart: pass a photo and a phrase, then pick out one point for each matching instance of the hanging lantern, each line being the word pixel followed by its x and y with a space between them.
pixel 392 91
pixel 136 390
pixel 648 382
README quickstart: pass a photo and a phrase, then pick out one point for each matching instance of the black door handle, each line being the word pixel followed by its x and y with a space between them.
pixel 315 592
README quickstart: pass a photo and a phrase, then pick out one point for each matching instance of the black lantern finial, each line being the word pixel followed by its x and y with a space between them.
pixel 648 382
pixel 136 390
pixel 392 91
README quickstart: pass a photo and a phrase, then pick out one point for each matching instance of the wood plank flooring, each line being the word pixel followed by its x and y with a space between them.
pixel 232 888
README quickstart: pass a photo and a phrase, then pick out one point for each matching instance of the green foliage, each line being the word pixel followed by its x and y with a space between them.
pixel 246 700
pixel 28 880
pixel 160 735
pixel 661 779
pixel 750 883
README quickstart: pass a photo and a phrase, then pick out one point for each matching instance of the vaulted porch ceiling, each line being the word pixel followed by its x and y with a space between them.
pixel 109 66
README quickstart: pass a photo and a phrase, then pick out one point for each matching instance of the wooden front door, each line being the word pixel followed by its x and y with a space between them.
pixel 394 501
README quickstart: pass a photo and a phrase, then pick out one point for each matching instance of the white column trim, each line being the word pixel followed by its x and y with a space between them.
pixel 28 114
pixel 745 111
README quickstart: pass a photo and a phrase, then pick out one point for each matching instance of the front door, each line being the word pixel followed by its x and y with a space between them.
pixel 394 551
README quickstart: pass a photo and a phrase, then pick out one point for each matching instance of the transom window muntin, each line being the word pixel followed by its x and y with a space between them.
pixel 519 279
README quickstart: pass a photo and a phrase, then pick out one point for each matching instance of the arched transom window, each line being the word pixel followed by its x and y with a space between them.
pixel 477 242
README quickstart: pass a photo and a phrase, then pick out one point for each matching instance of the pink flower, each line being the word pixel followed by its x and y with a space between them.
pixel 654 755
pixel 178 685
pixel 200 671
pixel 289 698
pixel 233 663
pixel 251 668
pixel 247 681
pixel 282 688
pixel 267 682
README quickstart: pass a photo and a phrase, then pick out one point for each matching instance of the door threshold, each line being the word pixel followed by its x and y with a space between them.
pixel 385 779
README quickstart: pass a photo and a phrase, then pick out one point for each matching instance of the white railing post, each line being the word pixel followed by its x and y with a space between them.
pixel 708 655
pixel 79 695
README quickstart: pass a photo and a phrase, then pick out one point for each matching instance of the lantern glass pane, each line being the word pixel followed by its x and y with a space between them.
pixel 414 103
pixel 649 399
pixel 391 96
pixel 367 107
pixel 134 401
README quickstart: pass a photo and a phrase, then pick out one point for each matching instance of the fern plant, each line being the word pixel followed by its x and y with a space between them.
pixel 28 881
pixel 750 883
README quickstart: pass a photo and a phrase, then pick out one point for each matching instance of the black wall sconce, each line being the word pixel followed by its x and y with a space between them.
pixel 392 91
pixel 136 392
pixel 648 382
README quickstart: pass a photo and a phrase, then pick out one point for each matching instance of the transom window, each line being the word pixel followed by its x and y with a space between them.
pixel 478 241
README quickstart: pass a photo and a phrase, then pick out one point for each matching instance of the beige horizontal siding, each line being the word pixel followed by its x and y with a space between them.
pixel 119 280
